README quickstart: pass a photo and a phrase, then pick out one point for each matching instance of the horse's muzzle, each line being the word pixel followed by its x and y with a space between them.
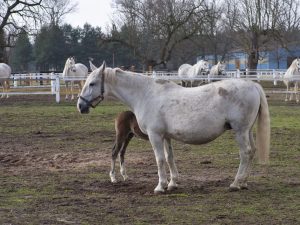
pixel 83 108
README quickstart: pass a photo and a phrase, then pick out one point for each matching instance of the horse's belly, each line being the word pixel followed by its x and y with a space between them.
pixel 197 137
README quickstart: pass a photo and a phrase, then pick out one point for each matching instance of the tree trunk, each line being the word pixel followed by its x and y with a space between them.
pixel 253 60
pixel 254 53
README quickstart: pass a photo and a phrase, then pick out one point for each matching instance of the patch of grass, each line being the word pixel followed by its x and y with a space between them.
pixel 79 191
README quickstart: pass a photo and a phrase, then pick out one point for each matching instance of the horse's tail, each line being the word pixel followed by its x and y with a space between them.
pixel 263 132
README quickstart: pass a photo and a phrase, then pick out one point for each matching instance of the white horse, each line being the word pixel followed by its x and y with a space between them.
pixel 74 71
pixel 293 70
pixel 189 71
pixel 5 72
pixel 161 107
pixel 217 70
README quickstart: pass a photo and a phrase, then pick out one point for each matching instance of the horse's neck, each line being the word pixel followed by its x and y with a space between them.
pixel 194 70
pixel 214 70
pixel 291 70
pixel 65 71
pixel 128 87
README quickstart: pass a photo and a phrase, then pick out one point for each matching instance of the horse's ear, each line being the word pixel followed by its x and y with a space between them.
pixel 103 66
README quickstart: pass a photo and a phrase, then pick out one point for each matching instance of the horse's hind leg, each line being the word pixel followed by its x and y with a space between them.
pixel 172 166
pixel 81 84
pixel 286 94
pixel 7 86
pixel 296 92
pixel 247 150
pixel 3 89
pixel 122 156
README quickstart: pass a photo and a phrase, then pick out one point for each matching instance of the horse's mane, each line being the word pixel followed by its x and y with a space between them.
pixel 112 75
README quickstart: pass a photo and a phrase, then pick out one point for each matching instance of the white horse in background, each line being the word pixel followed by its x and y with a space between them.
pixel 189 71
pixel 78 72
pixel 217 70
pixel 5 72
pixel 162 112
pixel 293 70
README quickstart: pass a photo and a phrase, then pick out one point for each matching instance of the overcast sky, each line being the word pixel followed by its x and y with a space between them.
pixel 94 12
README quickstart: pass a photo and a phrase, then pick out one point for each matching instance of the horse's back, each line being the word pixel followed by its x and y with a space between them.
pixel 5 70
pixel 83 69
pixel 184 69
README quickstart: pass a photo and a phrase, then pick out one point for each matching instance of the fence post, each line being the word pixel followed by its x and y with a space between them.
pixel 238 75
pixel 53 83
pixel 274 77
pixel 208 78
pixel 57 88
pixel 15 81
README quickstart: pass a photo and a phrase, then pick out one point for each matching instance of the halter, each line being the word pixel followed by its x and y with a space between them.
pixel 99 98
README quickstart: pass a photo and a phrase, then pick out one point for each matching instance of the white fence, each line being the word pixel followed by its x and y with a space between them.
pixel 29 83
pixel 51 83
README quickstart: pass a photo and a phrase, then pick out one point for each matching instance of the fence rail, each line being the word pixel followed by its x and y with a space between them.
pixel 54 81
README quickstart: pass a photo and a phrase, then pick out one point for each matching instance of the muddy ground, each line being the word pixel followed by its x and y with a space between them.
pixel 54 166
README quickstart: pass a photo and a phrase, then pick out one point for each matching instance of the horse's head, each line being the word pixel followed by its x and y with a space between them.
pixel 93 90
pixel 70 64
pixel 296 63
pixel 221 68
pixel 202 67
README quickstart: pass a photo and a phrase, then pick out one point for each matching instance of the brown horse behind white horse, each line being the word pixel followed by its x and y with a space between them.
pixel 126 128
pixel 5 72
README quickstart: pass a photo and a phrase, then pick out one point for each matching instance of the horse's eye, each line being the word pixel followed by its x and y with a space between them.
pixel 92 84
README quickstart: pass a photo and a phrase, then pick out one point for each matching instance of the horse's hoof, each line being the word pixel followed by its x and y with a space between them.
pixel 233 188
pixel 159 191
pixel 125 177
pixel 244 187
pixel 113 181
pixel 172 187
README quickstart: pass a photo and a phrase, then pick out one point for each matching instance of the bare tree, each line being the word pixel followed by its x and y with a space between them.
pixel 19 15
pixel 257 24
pixel 55 10
pixel 153 28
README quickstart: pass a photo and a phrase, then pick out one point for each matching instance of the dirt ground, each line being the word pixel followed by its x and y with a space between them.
pixel 54 166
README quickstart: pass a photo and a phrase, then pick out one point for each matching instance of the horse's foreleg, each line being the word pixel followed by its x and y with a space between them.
pixel 158 148
pixel 296 92
pixel 172 166
pixel 81 83
pixel 72 90
pixel 115 152
pixel 247 150
pixel 291 95
pixel 67 90
pixel 286 94
pixel 122 156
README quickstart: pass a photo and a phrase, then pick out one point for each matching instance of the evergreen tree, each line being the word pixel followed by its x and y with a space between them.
pixel 22 53
pixel 50 48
